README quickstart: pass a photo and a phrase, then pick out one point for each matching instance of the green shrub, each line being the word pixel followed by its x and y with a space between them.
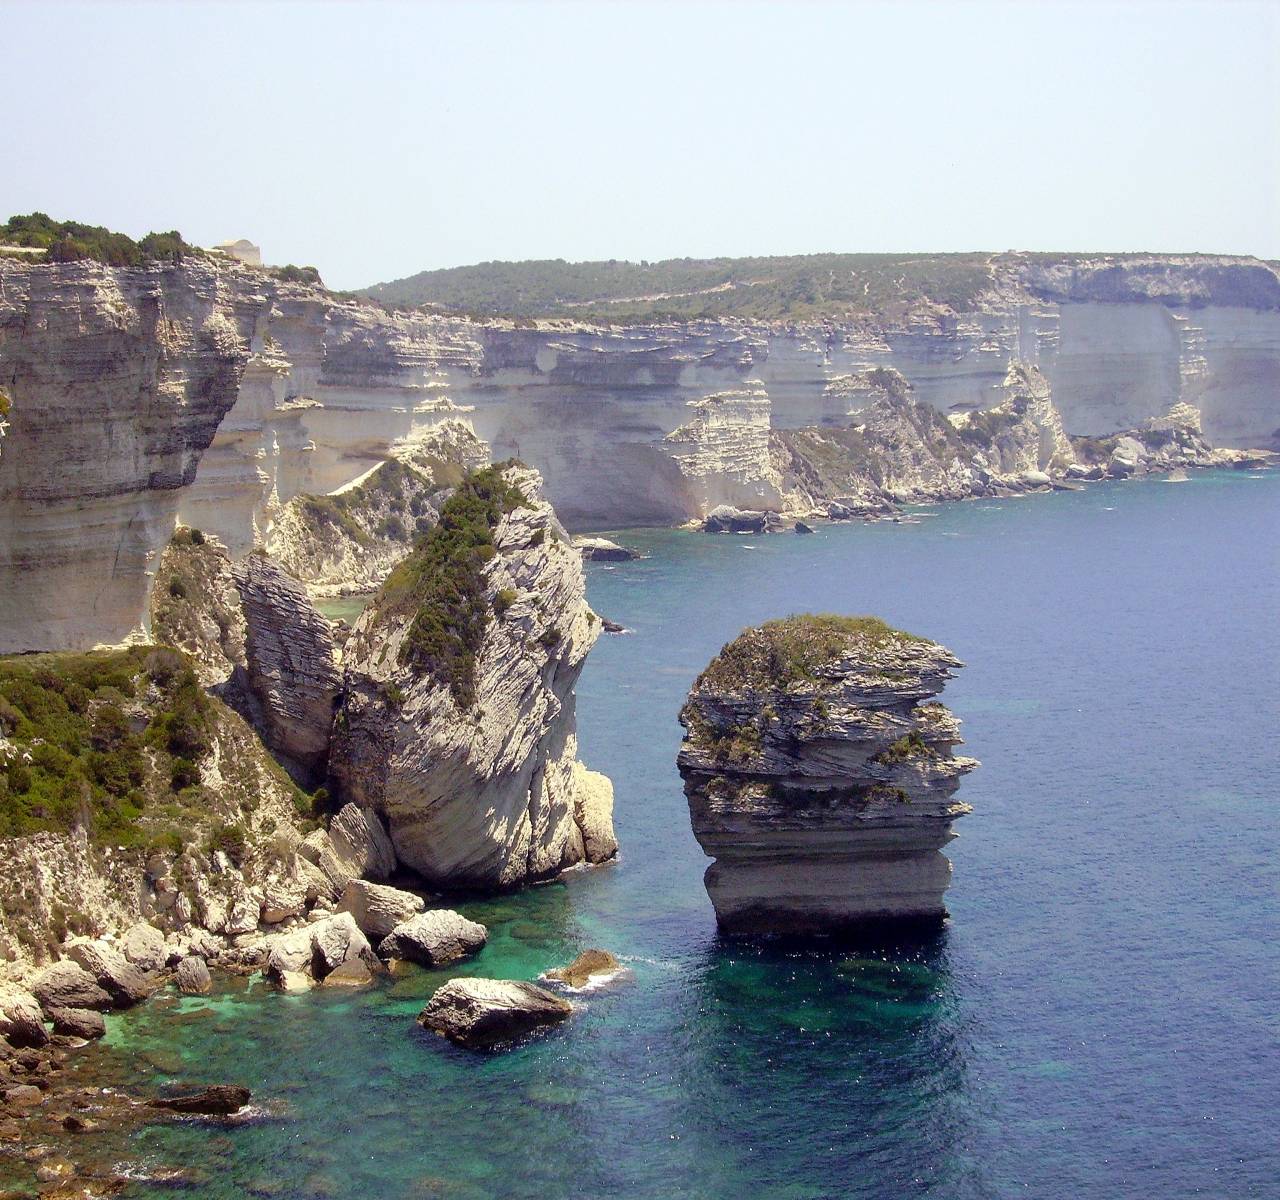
pixel 197 537
pixel 909 745
pixel 442 584
pixel 81 761
pixel 503 601
pixel 70 241
pixel 177 589
pixel 230 839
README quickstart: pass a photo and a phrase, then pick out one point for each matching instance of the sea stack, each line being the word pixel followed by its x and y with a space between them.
pixel 821 776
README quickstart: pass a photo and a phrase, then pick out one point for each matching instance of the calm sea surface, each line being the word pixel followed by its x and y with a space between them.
pixel 1098 1020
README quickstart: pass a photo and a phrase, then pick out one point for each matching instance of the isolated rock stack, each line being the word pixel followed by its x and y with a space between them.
pixel 821 778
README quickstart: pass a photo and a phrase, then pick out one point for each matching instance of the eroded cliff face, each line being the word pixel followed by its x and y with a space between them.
pixel 457 723
pixel 117 381
pixel 216 394
pixel 821 776
pixel 350 541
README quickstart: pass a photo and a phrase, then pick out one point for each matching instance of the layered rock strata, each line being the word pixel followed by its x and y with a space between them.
pixel 218 394
pixel 349 541
pixel 821 777
pixel 257 642
pixel 457 722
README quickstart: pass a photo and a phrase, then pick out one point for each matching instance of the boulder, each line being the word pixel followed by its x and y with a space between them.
pixel 337 940
pixel 122 980
pixel 593 813
pixel 67 984
pixel 434 938
pixel 480 1014
pixel 358 847
pixel 219 1100
pixel 377 907
pixel 78 1022
pixel 353 973
pixel 284 898
pixel 24 1095
pixel 726 519
pixel 192 976
pixel 588 964
pixel 143 946
pixel 598 549
pixel 21 1019
pixel 289 960
pixel 801 527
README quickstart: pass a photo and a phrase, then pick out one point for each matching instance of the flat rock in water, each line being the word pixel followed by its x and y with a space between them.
pixel 479 1014
pixel 579 972
pixel 434 938
pixel 220 1099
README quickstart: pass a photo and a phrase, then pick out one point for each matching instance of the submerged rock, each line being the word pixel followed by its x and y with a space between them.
pixel 434 938
pixel 588 965
pixel 482 1013
pixel 820 778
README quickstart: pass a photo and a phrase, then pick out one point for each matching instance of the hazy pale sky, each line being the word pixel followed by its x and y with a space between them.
pixel 375 140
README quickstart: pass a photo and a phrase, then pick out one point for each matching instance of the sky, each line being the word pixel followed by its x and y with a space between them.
pixel 374 140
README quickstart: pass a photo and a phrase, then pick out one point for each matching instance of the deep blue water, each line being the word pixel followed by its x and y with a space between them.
pixel 1098 1020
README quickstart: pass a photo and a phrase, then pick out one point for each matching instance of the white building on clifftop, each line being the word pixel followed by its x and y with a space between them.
pixel 243 250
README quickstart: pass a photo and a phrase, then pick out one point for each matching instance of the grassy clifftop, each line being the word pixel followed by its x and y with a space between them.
pixel 793 287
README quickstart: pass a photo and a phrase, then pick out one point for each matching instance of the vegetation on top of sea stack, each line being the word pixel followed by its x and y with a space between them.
pixel 70 241
pixel 442 583
pixel 794 649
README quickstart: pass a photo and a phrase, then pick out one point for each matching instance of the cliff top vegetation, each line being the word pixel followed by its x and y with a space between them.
pixel 793 650
pixel 70 241
pixel 442 583
pixel 790 287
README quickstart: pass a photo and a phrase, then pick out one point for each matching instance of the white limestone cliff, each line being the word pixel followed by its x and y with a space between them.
pixel 472 762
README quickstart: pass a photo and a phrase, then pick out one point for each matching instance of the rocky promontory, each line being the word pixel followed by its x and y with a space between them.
pixel 821 776
pixel 457 721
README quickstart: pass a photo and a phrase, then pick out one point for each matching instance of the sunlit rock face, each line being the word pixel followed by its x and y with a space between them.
pixel 821 777
pixel 482 790
pixel 215 394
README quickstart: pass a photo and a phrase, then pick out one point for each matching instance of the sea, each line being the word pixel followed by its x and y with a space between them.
pixel 1099 1018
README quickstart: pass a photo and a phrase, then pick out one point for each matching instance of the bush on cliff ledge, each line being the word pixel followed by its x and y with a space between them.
pixel 442 583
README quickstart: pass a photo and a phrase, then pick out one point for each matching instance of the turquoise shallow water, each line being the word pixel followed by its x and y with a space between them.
pixel 1098 1020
